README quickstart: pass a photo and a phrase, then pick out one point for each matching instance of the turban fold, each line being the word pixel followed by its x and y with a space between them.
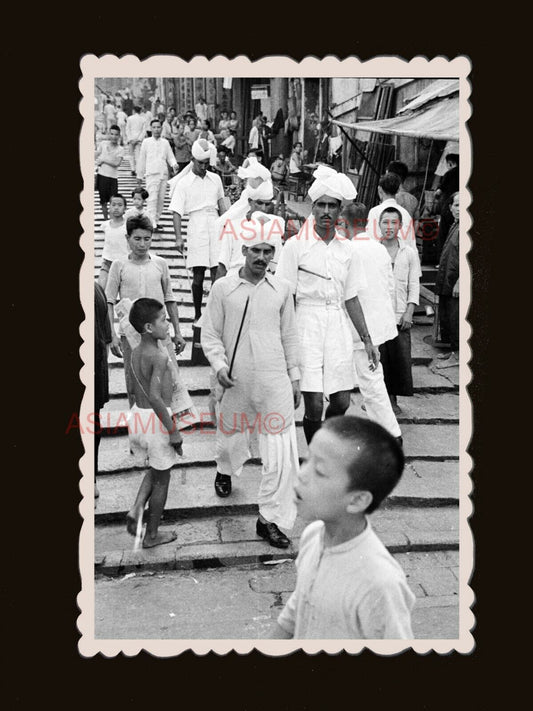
pixel 329 182
pixel 254 169
pixel 203 150
pixel 264 191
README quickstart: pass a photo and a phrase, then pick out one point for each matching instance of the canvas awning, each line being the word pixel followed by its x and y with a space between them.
pixel 436 90
pixel 439 120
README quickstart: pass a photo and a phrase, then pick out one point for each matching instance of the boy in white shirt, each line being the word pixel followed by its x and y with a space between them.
pixel 115 237
pixel 348 586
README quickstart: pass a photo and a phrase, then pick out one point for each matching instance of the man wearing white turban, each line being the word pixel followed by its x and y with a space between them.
pixel 249 336
pixel 198 193
pixel 324 273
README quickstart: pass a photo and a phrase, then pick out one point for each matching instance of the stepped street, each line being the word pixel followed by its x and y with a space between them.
pixel 218 580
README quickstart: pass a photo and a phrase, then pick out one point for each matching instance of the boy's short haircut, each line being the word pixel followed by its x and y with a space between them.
pixel 118 195
pixel 155 120
pixel 140 191
pixel 114 127
pixel 138 222
pixel 452 157
pixel 398 168
pixel 144 311
pixel 390 183
pixel 391 209
pixel 378 466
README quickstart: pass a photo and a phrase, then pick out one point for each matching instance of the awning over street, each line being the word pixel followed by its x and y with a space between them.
pixel 439 121
pixel 438 89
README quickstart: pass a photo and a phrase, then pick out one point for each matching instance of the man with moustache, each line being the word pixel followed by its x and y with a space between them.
pixel 325 273
pixel 249 336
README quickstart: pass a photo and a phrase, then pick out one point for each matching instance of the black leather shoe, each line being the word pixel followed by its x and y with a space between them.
pixel 272 534
pixel 223 484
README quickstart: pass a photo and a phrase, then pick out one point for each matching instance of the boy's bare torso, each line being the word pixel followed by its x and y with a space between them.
pixel 143 360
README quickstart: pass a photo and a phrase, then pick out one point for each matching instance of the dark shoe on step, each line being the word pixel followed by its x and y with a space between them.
pixel 272 534
pixel 223 485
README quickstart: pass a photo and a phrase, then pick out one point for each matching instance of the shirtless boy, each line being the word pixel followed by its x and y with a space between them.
pixel 152 430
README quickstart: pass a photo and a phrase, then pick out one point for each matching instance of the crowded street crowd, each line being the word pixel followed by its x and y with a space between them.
pixel 294 316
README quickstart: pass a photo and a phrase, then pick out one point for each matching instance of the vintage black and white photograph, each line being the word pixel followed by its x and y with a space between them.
pixel 275 417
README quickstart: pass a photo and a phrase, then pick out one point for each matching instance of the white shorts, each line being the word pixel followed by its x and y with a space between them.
pixel 326 349
pixel 149 441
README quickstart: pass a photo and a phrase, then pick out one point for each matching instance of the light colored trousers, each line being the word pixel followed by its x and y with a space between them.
pixel 135 151
pixel 156 185
pixel 375 396
pixel 279 474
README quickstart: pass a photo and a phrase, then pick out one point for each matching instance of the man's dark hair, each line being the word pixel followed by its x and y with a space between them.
pixel 453 158
pixel 355 211
pixel 155 120
pixel 391 209
pixel 140 191
pixel 140 222
pixel 144 311
pixel 137 109
pixel 114 127
pixel 399 169
pixel 118 195
pixel 207 123
pixel 390 183
pixel 378 461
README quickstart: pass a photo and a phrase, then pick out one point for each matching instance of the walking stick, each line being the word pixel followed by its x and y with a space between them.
pixel 238 337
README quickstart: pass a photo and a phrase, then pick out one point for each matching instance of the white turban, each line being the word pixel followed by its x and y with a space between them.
pixel 264 191
pixel 202 150
pixel 329 182
pixel 260 229
pixel 254 170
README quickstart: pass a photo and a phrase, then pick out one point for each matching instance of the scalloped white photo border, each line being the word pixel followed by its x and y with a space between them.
pixel 276 66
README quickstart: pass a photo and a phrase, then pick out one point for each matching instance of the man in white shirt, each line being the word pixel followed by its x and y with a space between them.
pixel 388 187
pixel 155 157
pixel 134 136
pixel 201 109
pixel 108 158
pixel 198 193
pixel 377 303
pixel 110 114
pixel 325 275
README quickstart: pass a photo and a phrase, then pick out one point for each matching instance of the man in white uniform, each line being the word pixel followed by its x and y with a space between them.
pixel 260 393
pixel 198 193
pixel 377 303
pixel 134 136
pixel 155 157
pixel 325 275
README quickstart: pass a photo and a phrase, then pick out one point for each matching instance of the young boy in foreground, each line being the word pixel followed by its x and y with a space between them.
pixel 348 584
pixel 157 436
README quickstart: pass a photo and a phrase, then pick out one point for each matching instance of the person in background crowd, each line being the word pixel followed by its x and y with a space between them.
pixel 388 187
pixel 278 169
pixel 148 116
pixel 183 148
pixel 224 121
pixel 168 125
pixel 121 123
pixel 191 131
pixel 296 163
pixel 205 131
pixel 115 237
pixel 154 161
pixel 229 142
pixel 396 353
pixel 135 130
pixel 198 194
pixel 110 114
pixel 447 289
pixel 201 109
pixel 224 167
pixel 138 209
pixel 233 123
pixel 107 159
pixel 102 339
pixel 403 198
pixel 254 137
pixel 449 184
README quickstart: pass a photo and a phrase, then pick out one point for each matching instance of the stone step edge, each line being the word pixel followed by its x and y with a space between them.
pixel 217 555
pixel 255 460
pixel 191 513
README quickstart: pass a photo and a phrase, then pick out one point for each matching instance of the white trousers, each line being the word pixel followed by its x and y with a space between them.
pixel 279 475
pixel 156 185
pixel 135 151
pixel 375 396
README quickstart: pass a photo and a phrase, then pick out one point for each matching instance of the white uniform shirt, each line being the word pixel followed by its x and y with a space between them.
pixel 155 154
pixel 406 270
pixel 193 193
pixel 337 262
pixel 110 152
pixel 376 298
pixel 135 128
pixel 355 590
pixel 407 230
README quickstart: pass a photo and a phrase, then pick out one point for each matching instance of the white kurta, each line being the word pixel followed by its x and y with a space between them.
pixel 261 401
pixel 198 197
pixel 325 338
